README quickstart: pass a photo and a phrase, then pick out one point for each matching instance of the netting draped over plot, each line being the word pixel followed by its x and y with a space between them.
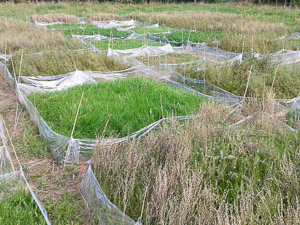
pixel 13 180
pixel 47 24
pixel 142 51
pixel 4 57
pixel 120 25
pixel 295 35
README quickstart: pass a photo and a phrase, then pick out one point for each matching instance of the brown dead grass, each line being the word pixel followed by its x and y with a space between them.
pixel 50 18
pixel 103 17
pixel 15 35
pixel 182 187
pixel 207 21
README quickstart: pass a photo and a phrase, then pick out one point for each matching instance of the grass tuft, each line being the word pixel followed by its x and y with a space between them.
pixel 50 18
pixel 19 208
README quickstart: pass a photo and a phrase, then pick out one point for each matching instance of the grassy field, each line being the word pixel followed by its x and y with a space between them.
pixel 204 168
pixel 133 103
pixel 183 36
pixel 59 61
pixel 20 208
pixel 244 26
pixel 151 30
pixel 199 172
pixel 171 58
pixel 283 81
pixel 124 44
pixel 88 29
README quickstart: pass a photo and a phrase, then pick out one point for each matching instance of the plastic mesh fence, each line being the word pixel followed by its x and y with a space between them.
pixel 10 179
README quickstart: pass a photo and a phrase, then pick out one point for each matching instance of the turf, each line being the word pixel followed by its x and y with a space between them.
pixel 88 29
pixel 151 30
pixel 171 58
pixel 19 208
pixel 133 103
pixel 184 36
pixel 123 44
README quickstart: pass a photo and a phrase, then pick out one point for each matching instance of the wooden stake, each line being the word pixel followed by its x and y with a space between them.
pixel 20 65
pixel 73 128
pixel 250 73
pixel 5 50
pixel 99 140
pixel 264 92
pixel 161 107
pixel 12 146
pixel 274 76
pixel 13 66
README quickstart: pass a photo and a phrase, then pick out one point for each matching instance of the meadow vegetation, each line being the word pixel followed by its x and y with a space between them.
pixel 88 29
pixel 59 61
pixel 234 32
pixel 51 18
pixel 183 36
pixel 264 76
pixel 151 30
pixel 133 103
pixel 244 174
pixel 124 44
pixel 171 58
pixel 17 35
pixel 19 208
pixel 103 17
pixel 202 171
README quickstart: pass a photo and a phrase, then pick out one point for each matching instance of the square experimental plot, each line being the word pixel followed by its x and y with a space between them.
pixel 88 30
pixel 124 44
pixel 260 77
pixel 170 59
pixel 133 103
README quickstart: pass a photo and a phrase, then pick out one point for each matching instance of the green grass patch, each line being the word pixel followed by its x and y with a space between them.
pixel 134 103
pixel 19 208
pixel 151 30
pixel 88 29
pixel 184 36
pixel 124 44
pixel 171 58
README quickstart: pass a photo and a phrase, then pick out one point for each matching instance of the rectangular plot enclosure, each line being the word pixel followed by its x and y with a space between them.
pixel 133 104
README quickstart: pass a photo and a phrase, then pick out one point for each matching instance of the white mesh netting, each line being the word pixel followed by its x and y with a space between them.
pixel 12 180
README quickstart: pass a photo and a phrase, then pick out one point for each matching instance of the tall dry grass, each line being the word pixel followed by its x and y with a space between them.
pixel 60 60
pixel 283 80
pixel 103 17
pixel 50 18
pixel 16 35
pixel 208 21
pixel 204 172
pixel 239 33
